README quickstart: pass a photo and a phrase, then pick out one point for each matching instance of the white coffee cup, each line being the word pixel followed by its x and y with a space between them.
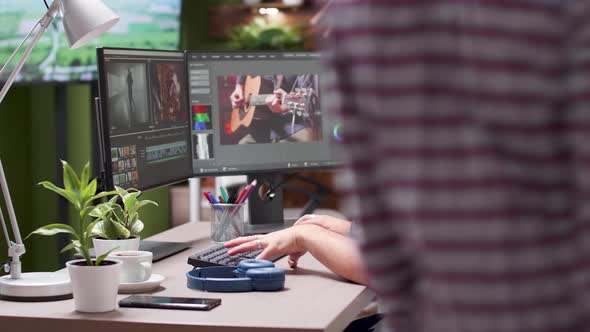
pixel 137 265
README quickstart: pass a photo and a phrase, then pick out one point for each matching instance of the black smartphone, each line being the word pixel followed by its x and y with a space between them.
pixel 165 302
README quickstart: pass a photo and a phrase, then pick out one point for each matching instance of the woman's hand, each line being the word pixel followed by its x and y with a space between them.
pixel 283 242
pixel 339 226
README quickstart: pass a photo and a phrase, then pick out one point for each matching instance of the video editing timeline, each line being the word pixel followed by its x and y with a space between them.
pixel 144 98
pixel 258 111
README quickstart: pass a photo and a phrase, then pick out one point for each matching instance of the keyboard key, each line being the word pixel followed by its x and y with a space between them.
pixel 216 255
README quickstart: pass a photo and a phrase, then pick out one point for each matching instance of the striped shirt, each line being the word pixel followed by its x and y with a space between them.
pixel 468 128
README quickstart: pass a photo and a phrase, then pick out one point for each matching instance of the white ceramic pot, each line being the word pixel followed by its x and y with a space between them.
pixel 102 246
pixel 94 287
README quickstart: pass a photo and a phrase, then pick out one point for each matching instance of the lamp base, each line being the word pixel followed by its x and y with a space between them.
pixel 36 287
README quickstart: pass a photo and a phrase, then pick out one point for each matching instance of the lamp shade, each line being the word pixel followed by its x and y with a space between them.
pixel 84 20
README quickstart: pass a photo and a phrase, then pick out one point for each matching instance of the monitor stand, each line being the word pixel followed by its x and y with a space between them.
pixel 265 204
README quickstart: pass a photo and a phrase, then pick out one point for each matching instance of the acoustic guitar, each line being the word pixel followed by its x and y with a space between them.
pixel 297 102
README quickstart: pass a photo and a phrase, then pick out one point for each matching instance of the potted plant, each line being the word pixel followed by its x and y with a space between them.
pixel 118 226
pixel 263 35
pixel 95 281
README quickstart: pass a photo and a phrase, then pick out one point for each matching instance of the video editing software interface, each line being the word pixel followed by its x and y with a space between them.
pixel 258 112
pixel 172 115
pixel 147 122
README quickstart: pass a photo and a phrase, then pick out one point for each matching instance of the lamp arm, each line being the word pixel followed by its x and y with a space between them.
pixel 18 49
pixel 4 229
pixel 17 248
pixel 44 23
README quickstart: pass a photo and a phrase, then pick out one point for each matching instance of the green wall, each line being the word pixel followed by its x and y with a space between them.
pixel 15 151
pixel 42 251
pixel 28 148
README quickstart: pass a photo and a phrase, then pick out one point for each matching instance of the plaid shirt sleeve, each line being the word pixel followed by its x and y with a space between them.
pixel 467 126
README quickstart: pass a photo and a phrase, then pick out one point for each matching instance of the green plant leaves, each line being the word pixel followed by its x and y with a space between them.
pixel 86 176
pixel 113 230
pixel 80 191
pixel 69 195
pixel 100 258
pixel 74 244
pixel 89 232
pixel 71 179
pixel 55 229
pixel 136 227
pixel 120 221
pixel 111 220
pixel 103 194
pixel 129 200
pixel 140 204
pixel 87 192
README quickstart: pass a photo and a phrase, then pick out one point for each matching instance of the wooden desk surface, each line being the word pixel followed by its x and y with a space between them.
pixel 315 299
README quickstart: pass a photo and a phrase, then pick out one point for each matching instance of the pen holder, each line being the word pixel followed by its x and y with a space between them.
pixel 227 221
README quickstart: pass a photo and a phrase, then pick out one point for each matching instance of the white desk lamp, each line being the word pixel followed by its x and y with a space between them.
pixel 83 21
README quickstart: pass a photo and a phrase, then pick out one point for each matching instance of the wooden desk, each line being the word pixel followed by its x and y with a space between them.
pixel 314 300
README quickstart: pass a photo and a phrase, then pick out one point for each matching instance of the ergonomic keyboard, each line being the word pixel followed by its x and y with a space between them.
pixel 216 255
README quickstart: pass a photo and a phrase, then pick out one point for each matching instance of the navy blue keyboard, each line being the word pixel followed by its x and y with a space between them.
pixel 217 256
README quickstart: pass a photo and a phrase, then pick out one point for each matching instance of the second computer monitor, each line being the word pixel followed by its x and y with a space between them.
pixel 257 112
pixel 144 117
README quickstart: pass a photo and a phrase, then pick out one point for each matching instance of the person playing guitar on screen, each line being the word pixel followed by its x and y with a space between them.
pixel 275 122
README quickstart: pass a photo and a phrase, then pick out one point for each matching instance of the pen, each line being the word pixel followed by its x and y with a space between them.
pixel 234 195
pixel 244 194
pixel 206 194
pixel 224 195
pixel 212 198
pixel 221 199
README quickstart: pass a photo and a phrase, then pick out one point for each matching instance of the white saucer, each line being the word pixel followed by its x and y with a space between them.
pixel 138 287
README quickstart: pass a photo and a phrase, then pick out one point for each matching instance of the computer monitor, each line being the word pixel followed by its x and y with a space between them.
pixel 225 113
pixel 274 125
pixel 254 137
pixel 144 118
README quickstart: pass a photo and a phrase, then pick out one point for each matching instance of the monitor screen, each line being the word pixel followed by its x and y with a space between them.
pixel 150 24
pixel 144 117
pixel 258 112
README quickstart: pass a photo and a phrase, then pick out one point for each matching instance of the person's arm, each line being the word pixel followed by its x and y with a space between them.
pixel 339 226
pixel 337 252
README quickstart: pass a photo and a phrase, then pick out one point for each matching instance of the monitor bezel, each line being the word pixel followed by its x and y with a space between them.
pixel 280 170
pixel 104 119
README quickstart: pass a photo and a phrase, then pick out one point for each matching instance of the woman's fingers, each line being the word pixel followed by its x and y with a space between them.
pixel 294 259
pixel 292 263
pixel 238 241
pixel 266 253
pixel 248 246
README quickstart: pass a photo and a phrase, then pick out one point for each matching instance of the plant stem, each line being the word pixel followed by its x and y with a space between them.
pixel 87 257
pixel 84 241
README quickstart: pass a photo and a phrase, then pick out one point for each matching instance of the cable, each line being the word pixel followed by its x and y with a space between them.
pixel 273 187
pixel 52 23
